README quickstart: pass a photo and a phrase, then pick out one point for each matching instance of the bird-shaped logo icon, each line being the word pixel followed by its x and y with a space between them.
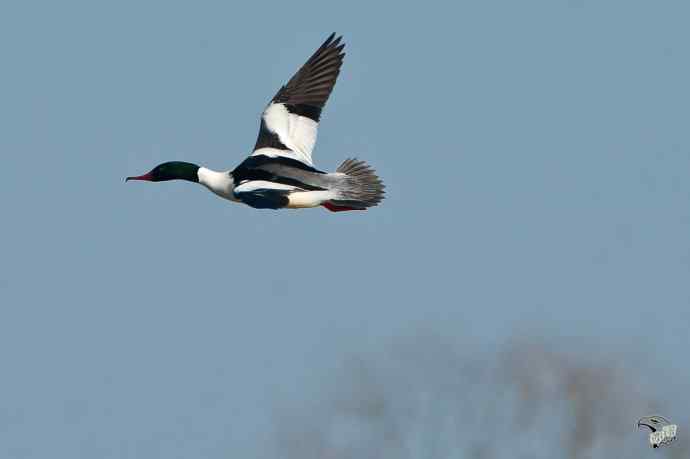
pixel 662 431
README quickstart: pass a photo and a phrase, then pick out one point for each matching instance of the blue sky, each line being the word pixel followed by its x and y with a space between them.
pixel 535 153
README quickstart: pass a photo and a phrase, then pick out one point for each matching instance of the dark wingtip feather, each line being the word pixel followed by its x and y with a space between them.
pixel 313 83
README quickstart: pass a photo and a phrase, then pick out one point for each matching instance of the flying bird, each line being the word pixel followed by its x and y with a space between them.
pixel 662 431
pixel 280 172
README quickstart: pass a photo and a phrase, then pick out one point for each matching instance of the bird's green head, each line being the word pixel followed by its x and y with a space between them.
pixel 173 170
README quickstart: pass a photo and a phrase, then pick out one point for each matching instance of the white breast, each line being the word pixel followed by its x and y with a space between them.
pixel 220 183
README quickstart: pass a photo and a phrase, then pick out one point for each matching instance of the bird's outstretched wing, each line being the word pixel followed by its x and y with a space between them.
pixel 290 121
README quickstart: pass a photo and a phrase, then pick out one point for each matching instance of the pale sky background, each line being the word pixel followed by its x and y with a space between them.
pixel 536 156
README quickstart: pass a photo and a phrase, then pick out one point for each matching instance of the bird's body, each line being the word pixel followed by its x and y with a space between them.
pixel 280 172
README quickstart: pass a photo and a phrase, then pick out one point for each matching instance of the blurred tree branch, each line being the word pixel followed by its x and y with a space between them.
pixel 424 398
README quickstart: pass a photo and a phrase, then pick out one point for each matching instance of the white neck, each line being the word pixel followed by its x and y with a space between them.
pixel 220 183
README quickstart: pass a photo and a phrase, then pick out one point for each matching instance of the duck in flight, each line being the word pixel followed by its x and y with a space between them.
pixel 280 172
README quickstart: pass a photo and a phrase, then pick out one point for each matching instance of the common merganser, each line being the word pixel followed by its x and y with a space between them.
pixel 280 172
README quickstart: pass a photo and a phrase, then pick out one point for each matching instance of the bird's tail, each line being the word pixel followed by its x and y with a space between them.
pixel 360 188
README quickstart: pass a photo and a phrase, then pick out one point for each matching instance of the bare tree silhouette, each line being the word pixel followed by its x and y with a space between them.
pixel 424 398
